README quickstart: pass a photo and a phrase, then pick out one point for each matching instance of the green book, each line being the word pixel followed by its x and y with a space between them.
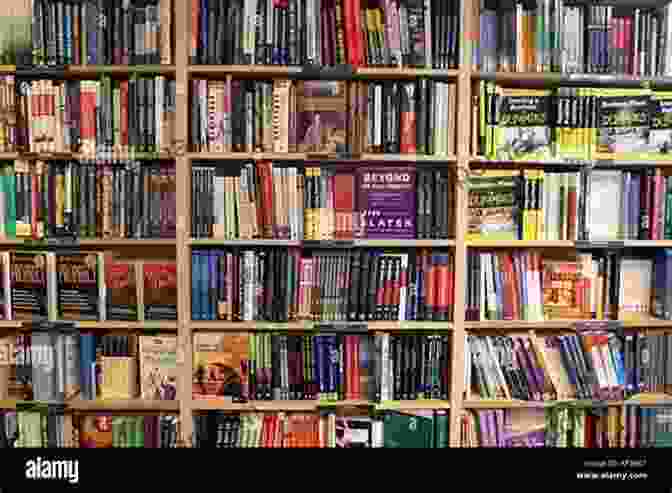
pixel 402 430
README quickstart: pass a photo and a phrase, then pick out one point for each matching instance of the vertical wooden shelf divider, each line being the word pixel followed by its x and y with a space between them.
pixel 463 129
pixel 182 16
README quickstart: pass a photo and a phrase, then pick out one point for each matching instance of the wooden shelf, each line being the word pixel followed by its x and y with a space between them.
pixel 121 326
pixel 502 404
pixel 252 71
pixel 260 242
pixel 246 156
pixel 131 405
pixel 247 71
pixel 7 404
pixel 413 405
pixel 300 156
pixel 493 325
pixel 311 405
pixel 94 70
pixel 392 325
pixel 355 243
pixel 519 244
pixel 223 326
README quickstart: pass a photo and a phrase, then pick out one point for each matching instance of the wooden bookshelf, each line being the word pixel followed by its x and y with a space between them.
pixel 463 162
pixel 130 405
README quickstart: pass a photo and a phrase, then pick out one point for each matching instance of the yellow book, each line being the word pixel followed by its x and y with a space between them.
pixel 523 131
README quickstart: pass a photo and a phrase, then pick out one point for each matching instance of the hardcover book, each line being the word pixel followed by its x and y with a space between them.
pixel 29 285
pixel 160 290
pixel 321 117
pixel 121 289
pixel 79 289
pixel 220 366
pixel 158 367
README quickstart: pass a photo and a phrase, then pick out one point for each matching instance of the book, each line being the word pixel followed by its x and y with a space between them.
pixel 158 367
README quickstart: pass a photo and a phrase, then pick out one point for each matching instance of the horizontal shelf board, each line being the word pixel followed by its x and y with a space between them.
pixel 7 69
pixel 129 242
pixel 413 405
pixel 261 242
pixel 300 156
pixel 243 70
pixel 78 156
pixel 244 156
pixel 405 243
pixel 311 405
pixel 119 69
pixel 150 326
pixel 253 406
pixel 391 243
pixel 420 158
pixel 558 324
pixel 138 405
pixel 517 404
pixel 501 404
pixel 404 72
pixel 519 244
pixel 409 325
pixel 216 326
pixel 8 156
pixel 281 70
pixel 518 324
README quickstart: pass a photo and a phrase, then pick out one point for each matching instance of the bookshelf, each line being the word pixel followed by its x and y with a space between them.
pixel 463 162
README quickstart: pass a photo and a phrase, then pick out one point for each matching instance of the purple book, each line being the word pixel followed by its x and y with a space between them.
pixel 531 439
pixel 321 117
pixel 386 202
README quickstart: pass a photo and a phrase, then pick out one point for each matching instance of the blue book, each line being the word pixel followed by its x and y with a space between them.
pixel 195 275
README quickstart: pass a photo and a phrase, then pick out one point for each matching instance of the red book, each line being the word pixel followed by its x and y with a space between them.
pixel 429 286
pixel 123 123
pixel 344 205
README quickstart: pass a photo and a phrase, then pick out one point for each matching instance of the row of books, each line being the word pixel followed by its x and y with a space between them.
pixel 587 365
pixel 526 205
pixel 499 428
pixel 599 285
pixel 149 431
pixel 216 429
pixel 76 286
pixel 599 204
pixel 276 284
pixel 106 117
pixel 87 32
pixel 523 285
pixel 571 123
pixel 549 35
pixel 636 427
pixel 331 367
pixel 87 199
pixel 60 366
pixel 26 429
pixel 564 426
pixel 309 201
pixel 326 32
pixel 322 116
